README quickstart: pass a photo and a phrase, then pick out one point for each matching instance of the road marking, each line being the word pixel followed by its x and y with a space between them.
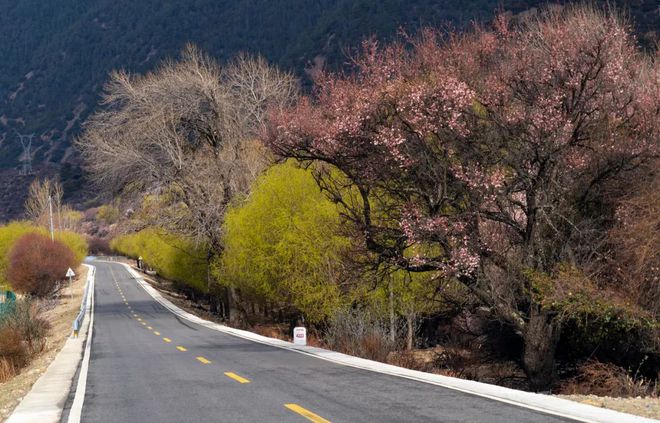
pixel 144 323
pixel 156 333
pixel 306 413
pixel 78 401
pixel 236 377
pixel 203 360
pixel 180 348
pixel 167 340
pixel 150 328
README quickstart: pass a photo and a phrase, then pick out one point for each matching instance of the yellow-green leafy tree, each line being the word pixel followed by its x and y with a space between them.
pixel 172 256
pixel 282 244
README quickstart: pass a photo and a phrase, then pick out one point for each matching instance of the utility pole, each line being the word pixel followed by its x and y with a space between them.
pixel 50 217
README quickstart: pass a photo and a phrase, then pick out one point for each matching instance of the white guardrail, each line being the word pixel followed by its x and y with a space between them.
pixel 85 303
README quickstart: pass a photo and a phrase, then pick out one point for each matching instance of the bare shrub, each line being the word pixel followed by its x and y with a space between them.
pixel 37 264
pixel 37 203
pixel 360 333
pixel 26 320
pixel 606 379
pixel 22 335
pixel 422 360
pixel 13 353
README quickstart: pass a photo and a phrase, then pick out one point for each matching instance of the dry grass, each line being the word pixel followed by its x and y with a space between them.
pixel 608 380
pixel 13 353
pixel 59 314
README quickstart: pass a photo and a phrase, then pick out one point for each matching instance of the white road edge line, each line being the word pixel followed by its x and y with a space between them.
pixel 537 402
pixel 75 413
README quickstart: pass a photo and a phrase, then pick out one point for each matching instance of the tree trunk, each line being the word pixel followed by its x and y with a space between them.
pixel 410 320
pixel 392 317
pixel 238 316
pixel 540 342
pixel 213 299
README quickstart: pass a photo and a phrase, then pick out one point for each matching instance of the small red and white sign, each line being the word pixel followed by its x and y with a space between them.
pixel 300 336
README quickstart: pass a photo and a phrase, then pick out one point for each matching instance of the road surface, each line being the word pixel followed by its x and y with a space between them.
pixel 148 365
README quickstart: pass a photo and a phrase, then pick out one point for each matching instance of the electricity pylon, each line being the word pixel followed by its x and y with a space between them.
pixel 26 157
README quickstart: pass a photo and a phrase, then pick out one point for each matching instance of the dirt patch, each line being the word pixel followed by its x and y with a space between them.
pixel 60 314
pixel 645 407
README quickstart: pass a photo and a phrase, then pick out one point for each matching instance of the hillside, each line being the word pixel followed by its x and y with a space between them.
pixel 55 55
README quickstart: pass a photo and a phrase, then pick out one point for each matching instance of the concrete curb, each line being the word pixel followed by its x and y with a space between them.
pixel 45 401
pixel 543 403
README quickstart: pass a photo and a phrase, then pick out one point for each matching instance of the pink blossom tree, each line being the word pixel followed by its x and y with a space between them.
pixel 481 156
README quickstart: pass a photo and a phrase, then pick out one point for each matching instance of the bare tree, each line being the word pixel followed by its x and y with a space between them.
pixel 186 133
pixel 36 205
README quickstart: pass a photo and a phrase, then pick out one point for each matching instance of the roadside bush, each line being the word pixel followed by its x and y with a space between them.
pixel 31 327
pixel 614 333
pixel 9 234
pixel 13 353
pixel 606 379
pixel 360 333
pixel 36 264
pixel 22 334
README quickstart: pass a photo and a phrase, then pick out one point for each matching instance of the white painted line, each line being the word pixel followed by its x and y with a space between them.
pixel 538 402
pixel 76 408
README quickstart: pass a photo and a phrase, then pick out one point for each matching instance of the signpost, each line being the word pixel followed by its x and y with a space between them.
pixel 69 274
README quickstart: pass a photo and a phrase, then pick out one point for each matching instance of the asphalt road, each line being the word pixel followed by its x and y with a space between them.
pixel 147 365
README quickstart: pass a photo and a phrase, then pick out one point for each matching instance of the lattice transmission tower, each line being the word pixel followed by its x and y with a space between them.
pixel 26 157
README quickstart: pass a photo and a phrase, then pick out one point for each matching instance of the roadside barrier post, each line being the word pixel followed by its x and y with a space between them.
pixel 300 335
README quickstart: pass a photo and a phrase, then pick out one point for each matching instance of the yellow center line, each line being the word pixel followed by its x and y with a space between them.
pixel 203 360
pixel 236 377
pixel 180 348
pixel 167 340
pixel 306 413
pixel 156 333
